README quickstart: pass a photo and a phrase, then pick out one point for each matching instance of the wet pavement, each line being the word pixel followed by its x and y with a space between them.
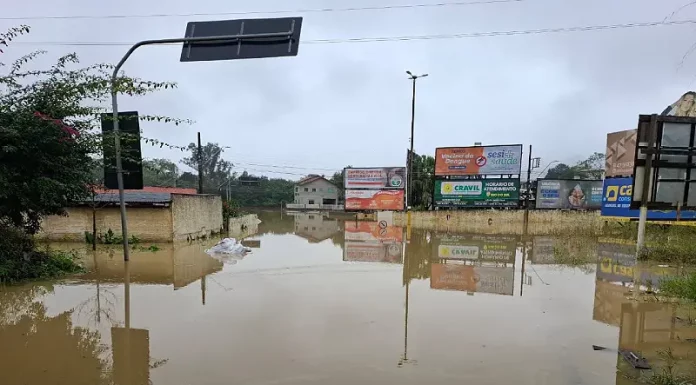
pixel 321 300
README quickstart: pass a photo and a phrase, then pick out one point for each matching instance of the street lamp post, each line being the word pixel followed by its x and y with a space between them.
pixel 409 198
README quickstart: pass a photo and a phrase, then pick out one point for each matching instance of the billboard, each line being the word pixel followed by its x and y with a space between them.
pixel 478 193
pixel 494 280
pixel 372 252
pixel 372 232
pixel 620 154
pixel 572 194
pixel 485 248
pixel 479 160
pixel 374 200
pixel 375 178
pixel 131 153
pixel 616 202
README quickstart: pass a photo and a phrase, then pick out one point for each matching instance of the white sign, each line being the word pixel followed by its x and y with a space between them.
pixel 458 252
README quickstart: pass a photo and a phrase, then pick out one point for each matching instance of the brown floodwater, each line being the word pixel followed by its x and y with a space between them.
pixel 326 301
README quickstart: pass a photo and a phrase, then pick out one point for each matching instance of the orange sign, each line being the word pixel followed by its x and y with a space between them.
pixel 375 200
pixel 452 277
pixel 371 231
pixel 479 160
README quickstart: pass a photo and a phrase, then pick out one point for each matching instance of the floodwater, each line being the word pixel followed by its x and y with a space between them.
pixel 325 301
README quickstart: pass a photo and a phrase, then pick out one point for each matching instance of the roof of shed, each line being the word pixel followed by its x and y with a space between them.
pixel 134 197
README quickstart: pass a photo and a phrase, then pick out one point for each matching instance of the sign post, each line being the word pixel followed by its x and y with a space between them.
pixel 208 41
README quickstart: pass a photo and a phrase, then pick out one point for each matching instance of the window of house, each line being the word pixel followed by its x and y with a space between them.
pixel 314 228
pixel 306 189
pixel 314 190
pixel 297 189
pixel 311 201
pixel 311 217
pixel 321 189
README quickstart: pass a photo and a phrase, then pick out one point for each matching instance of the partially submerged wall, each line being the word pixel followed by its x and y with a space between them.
pixel 243 226
pixel 146 223
pixel 505 221
pixel 196 216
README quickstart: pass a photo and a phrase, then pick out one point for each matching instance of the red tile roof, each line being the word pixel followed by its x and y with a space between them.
pixel 156 189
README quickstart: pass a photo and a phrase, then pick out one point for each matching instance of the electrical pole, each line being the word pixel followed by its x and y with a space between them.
pixel 409 198
pixel 532 164
pixel 200 165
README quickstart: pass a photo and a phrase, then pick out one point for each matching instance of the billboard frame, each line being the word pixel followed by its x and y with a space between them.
pixel 536 197
pixel 520 145
pixel 403 187
pixel 648 162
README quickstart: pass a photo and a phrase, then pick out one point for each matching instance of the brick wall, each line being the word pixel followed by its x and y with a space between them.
pixel 196 216
pixel 146 223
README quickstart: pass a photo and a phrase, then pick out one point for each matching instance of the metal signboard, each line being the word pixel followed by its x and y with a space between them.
pixel 284 41
pixel 372 252
pixel 665 167
pixel 620 153
pixel 616 203
pixel 494 280
pixel 573 194
pixel 375 178
pixel 484 248
pixel 131 153
pixel 374 200
pixel 478 160
pixel 503 192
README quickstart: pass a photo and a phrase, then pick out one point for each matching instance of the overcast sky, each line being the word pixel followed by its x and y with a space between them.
pixel 349 104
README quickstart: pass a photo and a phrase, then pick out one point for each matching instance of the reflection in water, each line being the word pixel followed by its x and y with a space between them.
pixel 305 308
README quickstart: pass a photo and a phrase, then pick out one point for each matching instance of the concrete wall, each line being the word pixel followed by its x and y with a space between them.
pixel 146 223
pixel 243 226
pixel 323 190
pixel 195 216
pixel 505 221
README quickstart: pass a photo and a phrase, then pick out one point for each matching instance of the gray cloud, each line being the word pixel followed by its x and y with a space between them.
pixel 340 104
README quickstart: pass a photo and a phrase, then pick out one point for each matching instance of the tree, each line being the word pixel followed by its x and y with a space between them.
pixel 590 168
pixel 423 180
pixel 160 172
pixel 216 170
pixel 49 132
pixel 337 179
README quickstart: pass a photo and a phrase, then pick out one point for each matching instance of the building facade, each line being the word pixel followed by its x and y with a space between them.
pixel 316 192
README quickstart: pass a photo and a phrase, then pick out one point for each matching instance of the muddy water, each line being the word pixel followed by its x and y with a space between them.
pixel 323 301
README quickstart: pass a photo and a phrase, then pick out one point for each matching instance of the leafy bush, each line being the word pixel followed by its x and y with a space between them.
pixel 20 260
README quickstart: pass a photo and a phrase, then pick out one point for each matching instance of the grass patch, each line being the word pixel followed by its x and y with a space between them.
pixel 680 287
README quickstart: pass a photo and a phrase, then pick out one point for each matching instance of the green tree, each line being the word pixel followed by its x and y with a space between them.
pixel 49 121
pixel 423 180
pixel 590 168
pixel 216 170
pixel 160 172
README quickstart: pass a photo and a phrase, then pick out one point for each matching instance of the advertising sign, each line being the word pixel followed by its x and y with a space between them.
pixel 494 280
pixel 372 232
pixel 374 200
pixel 372 252
pixel 478 193
pixel 479 160
pixel 375 178
pixel 569 194
pixel 616 202
pixel 621 151
pixel 487 248
pixel 543 250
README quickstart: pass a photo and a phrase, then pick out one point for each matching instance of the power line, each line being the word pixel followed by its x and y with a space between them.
pixel 286 167
pixel 586 28
pixel 241 13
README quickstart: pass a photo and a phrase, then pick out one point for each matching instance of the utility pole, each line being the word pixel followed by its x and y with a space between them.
pixel 647 184
pixel 530 166
pixel 409 200
pixel 200 165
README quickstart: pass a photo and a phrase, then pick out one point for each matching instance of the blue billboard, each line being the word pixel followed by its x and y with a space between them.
pixel 616 202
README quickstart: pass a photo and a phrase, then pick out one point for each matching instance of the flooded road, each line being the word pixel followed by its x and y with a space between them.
pixel 326 301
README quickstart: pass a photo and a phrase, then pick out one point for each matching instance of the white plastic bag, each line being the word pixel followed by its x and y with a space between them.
pixel 228 246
